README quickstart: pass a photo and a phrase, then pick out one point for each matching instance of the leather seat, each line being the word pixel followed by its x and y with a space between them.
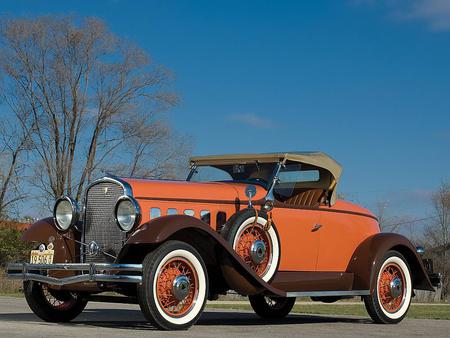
pixel 308 198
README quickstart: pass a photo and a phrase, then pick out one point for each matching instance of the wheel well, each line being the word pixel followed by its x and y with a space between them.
pixel 201 241
pixel 417 273
pixel 209 250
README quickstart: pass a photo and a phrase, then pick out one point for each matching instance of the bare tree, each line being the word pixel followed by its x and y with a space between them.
pixel 155 150
pixel 81 87
pixel 14 142
pixel 387 222
pixel 381 209
pixel 438 235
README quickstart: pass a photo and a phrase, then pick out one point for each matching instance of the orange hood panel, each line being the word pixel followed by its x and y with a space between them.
pixel 214 191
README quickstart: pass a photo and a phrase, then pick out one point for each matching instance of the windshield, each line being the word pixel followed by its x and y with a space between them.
pixel 250 172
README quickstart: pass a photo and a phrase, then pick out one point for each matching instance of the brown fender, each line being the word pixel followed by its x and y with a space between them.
pixel 208 242
pixel 367 259
pixel 66 250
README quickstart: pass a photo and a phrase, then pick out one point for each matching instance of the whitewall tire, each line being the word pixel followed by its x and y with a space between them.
pixel 392 294
pixel 174 286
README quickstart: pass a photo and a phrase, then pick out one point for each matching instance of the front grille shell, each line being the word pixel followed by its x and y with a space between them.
pixel 100 223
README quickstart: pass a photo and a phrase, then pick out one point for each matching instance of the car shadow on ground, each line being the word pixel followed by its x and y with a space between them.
pixel 133 319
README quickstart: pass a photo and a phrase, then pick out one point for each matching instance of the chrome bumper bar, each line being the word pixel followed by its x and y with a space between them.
pixel 88 272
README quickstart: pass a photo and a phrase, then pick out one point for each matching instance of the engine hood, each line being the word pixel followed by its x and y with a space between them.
pixel 183 190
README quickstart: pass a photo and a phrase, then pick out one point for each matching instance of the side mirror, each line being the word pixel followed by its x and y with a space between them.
pixel 250 192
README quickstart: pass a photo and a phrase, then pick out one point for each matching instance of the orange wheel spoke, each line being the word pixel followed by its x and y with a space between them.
pixel 169 272
pixel 391 299
pixel 246 238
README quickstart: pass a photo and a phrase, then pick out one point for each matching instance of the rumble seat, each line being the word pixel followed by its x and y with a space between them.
pixel 306 197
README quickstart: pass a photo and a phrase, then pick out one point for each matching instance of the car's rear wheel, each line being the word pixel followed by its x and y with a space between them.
pixel 255 242
pixel 271 307
pixel 391 298
pixel 174 286
pixel 53 305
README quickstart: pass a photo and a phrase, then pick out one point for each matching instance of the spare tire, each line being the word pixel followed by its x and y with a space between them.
pixel 258 247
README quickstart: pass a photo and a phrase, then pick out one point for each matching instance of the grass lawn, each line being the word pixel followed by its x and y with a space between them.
pixel 422 311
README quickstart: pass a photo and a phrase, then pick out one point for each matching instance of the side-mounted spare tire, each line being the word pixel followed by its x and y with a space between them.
pixel 256 242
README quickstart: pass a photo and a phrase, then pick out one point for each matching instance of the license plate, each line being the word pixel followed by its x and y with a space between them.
pixel 44 257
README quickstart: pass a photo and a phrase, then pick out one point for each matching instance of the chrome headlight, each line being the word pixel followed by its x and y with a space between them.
pixel 128 213
pixel 65 213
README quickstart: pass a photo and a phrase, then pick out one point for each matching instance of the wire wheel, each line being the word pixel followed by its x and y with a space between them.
pixel 60 302
pixel 391 288
pixel 177 287
pixel 271 307
pixel 174 286
pixel 389 302
pixel 254 247
pixel 53 305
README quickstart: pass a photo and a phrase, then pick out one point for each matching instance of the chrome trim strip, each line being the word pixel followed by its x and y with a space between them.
pixel 75 267
pixel 328 293
pixel 113 179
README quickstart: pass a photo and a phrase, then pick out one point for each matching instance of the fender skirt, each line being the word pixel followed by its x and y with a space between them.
pixel 235 272
pixel 367 260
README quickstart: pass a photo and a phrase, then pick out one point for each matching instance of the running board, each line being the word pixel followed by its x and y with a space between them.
pixel 328 293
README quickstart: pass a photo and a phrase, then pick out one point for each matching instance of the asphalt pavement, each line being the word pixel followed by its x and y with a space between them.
pixel 124 320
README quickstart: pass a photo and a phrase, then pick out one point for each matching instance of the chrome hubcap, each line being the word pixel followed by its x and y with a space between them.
pixel 396 287
pixel 180 287
pixel 258 251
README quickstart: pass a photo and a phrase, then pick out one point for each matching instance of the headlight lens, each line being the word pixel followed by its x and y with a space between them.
pixel 65 213
pixel 127 213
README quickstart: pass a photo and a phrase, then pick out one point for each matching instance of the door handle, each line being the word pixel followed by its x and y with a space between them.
pixel 316 227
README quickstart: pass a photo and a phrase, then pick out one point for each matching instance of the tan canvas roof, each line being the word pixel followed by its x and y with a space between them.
pixel 318 159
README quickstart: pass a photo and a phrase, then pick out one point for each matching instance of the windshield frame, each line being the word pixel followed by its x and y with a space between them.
pixel 266 185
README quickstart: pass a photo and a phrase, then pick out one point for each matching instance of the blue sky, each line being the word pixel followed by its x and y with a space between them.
pixel 367 81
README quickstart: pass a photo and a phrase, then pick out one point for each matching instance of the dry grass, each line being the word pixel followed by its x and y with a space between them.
pixel 9 287
pixel 418 311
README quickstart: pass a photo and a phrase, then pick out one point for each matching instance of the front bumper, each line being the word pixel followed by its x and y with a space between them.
pixel 435 277
pixel 86 272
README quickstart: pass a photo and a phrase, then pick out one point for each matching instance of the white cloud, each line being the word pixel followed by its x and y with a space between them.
pixel 435 13
pixel 252 120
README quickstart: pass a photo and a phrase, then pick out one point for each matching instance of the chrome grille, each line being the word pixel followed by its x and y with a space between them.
pixel 100 225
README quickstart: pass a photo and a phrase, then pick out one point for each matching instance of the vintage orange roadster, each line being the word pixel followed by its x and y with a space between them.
pixel 268 226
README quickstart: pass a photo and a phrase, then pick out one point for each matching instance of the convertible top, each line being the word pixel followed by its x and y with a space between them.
pixel 318 159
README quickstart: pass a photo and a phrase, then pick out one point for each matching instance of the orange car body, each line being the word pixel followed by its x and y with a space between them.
pixel 327 247
pixel 345 225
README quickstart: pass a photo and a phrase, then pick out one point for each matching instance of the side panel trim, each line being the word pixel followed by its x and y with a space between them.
pixel 328 293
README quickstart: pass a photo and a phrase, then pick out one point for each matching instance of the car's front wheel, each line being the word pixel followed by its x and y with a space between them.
pixel 53 305
pixel 174 286
pixel 271 307
pixel 390 300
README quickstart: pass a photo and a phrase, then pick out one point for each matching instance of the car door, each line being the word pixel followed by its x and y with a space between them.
pixel 296 224
pixel 298 240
